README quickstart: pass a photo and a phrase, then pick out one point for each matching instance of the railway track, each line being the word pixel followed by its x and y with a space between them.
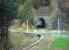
pixel 36 40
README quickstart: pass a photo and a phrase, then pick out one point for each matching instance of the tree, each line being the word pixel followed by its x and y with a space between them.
pixel 37 3
pixel 25 12
pixel 56 7
pixel 8 10
pixel 65 19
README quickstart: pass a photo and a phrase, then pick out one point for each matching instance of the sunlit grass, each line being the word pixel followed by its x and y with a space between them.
pixel 61 42
pixel 24 29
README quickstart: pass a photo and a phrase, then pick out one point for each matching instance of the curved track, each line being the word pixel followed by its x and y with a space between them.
pixel 31 44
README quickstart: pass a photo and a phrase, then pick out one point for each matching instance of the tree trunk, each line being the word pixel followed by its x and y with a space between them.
pixel 3 33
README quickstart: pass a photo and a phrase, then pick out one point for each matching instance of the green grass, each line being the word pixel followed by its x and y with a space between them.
pixel 61 42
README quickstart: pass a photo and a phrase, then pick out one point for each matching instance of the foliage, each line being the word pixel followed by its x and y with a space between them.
pixel 37 3
pixel 25 11
pixel 9 8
